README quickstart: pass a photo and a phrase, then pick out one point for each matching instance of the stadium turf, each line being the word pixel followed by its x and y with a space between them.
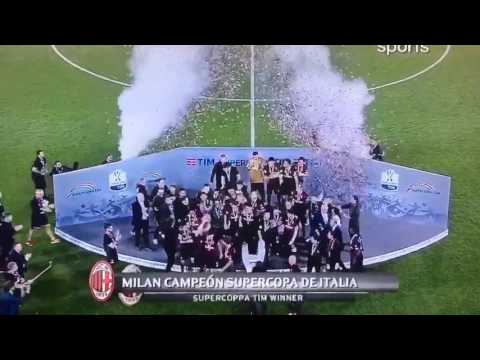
pixel 429 123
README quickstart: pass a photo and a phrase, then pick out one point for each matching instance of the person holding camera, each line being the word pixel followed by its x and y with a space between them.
pixel 39 171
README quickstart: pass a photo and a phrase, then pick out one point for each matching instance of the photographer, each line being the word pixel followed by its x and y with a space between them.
pixel 59 168
pixel 39 170
pixel 376 151
pixel 2 206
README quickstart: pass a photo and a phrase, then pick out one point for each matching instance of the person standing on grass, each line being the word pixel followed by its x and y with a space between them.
pixel 255 170
pixel 39 171
pixel 40 207
pixel 2 206
pixel 376 151
pixel 21 260
pixel 59 168
pixel 108 159
pixel 7 236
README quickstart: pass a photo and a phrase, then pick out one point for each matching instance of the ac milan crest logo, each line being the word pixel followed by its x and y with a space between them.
pixel 102 281
pixel 130 298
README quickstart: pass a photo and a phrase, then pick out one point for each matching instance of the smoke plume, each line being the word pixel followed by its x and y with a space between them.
pixel 320 108
pixel 166 79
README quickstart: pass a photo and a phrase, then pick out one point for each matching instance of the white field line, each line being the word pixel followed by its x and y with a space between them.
pixel 105 78
pixel 252 96
pixel 160 265
pixel 428 68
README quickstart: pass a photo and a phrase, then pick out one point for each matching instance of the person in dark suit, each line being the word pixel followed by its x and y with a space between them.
pixel 294 308
pixel 39 171
pixel 2 206
pixel 108 159
pixel 356 253
pixel 7 236
pixel 314 252
pixel 230 176
pixel 110 243
pixel 354 216
pixel 158 201
pixel 142 188
pixel 140 221
pixel 217 172
pixel 335 249
pixel 159 185
pixel 240 186
pixel 376 151
pixel 336 229
pixel 288 180
pixel 166 231
pixel 59 168
pixel 181 207
pixel 271 173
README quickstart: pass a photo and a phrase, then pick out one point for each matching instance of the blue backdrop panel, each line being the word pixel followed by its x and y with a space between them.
pixel 405 209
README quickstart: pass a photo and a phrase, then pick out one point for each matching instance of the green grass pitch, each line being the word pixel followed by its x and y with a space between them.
pixel 430 123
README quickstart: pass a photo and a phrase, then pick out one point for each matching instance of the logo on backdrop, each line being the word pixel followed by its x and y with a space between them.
pixel 152 176
pixel 191 162
pixel 118 180
pixel 423 187
pixel 102 281
pixel 204 162
pixel 130 298
pixel 389 180
pixel 83 189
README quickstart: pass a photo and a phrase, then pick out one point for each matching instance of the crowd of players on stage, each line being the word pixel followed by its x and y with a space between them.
pixel 267 223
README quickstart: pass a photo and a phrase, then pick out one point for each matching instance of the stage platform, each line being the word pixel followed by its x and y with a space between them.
pixel 402 209
pixel 383 240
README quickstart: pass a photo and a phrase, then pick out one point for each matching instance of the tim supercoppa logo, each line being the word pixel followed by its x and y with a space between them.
pixel 390 180
pixel 102 281
pixel 118 180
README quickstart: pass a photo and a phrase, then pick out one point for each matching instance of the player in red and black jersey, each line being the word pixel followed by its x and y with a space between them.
pixel 301 169
pixel 40 208
pixel 187 246
pixel 208 254
pixel 292 224
pixel 248 230
pixel 271 173
pixel 257 205
pixel 301 208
